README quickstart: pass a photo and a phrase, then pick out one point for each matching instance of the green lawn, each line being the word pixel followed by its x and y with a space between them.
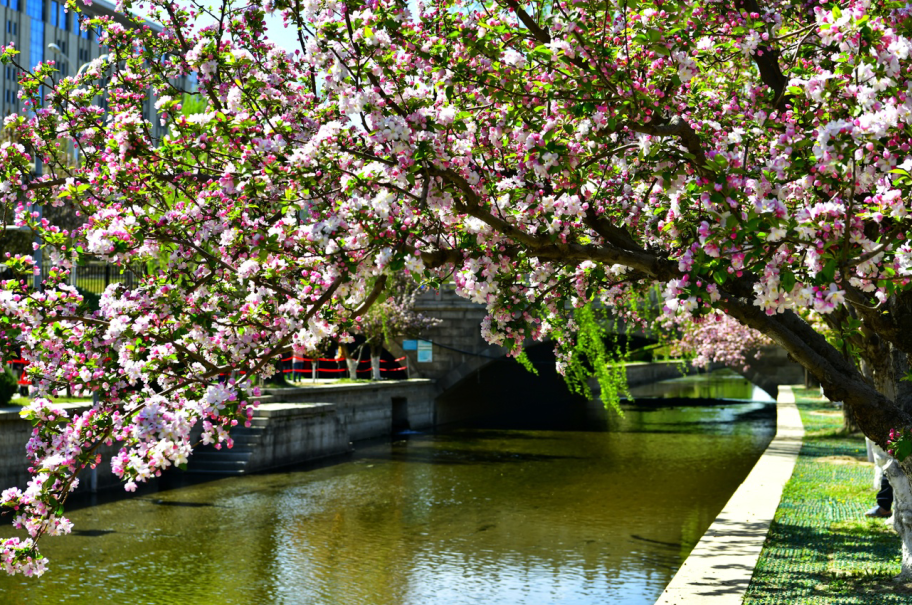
pixel 821 549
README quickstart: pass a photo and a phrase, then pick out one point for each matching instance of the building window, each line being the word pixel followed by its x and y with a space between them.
pixel 13 4
pixel 35 9
pixel 36 45
pixel 61 62
pixel 58 15
pixel 12 27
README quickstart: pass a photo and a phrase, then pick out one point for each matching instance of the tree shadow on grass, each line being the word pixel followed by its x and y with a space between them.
pixel 842 562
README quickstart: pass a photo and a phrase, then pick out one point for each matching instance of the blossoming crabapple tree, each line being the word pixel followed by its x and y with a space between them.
pixel 713 338
pixel 748 158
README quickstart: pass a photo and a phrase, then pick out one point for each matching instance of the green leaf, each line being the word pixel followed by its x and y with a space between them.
pixel 902 449
pixel 525 362
pixel 787 280
pixel 829 271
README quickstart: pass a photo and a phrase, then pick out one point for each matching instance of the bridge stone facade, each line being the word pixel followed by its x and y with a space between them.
pixel 459 350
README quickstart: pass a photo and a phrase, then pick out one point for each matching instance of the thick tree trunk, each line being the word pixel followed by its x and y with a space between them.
pixel 375 367
pixel 352 367
pixel 898 475
pixel 375 352
pixel 352 364
pixel 848 422
pixel 888 371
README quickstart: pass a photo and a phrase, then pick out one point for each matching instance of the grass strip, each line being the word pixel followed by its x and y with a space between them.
pixel 821 549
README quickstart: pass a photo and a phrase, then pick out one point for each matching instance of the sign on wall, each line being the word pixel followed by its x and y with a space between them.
pixel 425 351
pixel 409 345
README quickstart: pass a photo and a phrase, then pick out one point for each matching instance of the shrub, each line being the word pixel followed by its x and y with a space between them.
pixel 9 384
pixel 90 299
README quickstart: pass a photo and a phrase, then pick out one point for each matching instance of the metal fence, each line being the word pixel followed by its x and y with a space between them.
pixel 95 277
pixel 296 368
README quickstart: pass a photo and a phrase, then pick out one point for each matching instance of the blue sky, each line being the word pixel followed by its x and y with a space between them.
pixel 276 32
pixel 279 35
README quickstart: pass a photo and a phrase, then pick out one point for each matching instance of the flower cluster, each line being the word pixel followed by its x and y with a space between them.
pixel 900 444
pixel 714 338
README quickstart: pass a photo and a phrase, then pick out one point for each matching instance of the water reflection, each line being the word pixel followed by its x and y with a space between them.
pixel 720 384
pixel 472 516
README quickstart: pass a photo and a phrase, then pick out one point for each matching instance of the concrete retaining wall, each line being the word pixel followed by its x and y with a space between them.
pixel 15 433
pixel 719 568
pixel 297 432
pixel 310 423
pixel 366 409
pixel 648 372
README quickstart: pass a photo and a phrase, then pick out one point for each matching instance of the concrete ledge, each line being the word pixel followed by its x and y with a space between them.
pixel 719 569
pixel 282 410
pixel 11 412
pixel 288 393
pixel 295 433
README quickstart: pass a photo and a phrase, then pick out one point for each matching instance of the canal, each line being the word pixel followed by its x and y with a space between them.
pixel 470 516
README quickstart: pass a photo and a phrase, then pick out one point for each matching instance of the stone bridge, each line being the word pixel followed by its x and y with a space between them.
pixel 459 351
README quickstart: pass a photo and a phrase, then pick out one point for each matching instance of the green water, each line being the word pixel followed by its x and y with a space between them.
pixel 721 384
pixel 467 517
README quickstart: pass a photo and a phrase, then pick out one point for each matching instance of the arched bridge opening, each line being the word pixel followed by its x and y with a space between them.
pixel 468 369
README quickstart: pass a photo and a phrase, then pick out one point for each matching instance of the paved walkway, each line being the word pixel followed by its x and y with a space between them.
pixel 719 569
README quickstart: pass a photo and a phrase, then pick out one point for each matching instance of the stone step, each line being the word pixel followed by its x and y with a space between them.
pixel 257 426
pixel 246 441
pixel 215 471
pixel 207 455
pixel 258 422
pixel 217 466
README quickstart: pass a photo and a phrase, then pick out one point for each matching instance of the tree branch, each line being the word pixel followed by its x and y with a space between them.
pixel 767 60
pixel 379 286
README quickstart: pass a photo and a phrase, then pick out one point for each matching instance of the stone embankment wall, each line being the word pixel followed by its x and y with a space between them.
pixel 646 373
pixel 14 435
pixel 371 409
pixel 297 432
pixel 307 423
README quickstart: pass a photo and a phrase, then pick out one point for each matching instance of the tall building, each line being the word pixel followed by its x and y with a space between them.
pixel 44 31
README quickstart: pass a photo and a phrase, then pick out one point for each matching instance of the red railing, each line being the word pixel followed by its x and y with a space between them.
pixel 308 369
pixel 24 381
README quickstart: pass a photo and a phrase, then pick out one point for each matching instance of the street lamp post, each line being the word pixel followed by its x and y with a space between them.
pixel 63 56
